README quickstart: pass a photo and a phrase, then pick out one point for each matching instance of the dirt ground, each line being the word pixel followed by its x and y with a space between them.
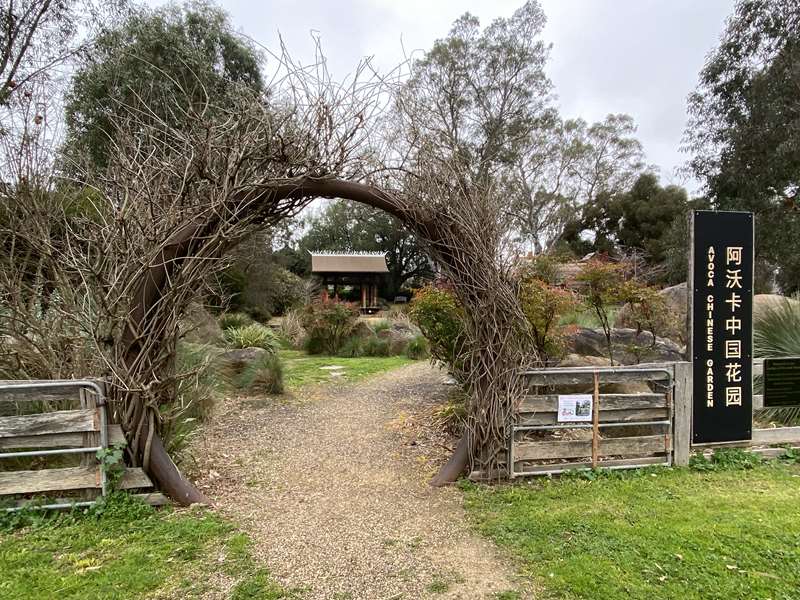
pixel 332 487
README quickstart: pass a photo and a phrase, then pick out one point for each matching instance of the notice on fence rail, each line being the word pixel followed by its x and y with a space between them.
pixel 574 407
pixel 721 310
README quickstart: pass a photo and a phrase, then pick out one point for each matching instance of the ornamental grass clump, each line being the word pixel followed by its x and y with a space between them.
pixel 776 333
pixel 291 329
pixel 197 389
pixel 776 330
pixel 254 335
pixel 264 375
pixel 352 348
pixel 234 319
pixel 376 346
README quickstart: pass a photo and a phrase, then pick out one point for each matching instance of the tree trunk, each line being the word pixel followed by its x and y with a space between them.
pixel 455 466
pixel 169 479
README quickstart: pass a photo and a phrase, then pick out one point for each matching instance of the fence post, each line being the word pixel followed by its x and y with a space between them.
pixel 682 399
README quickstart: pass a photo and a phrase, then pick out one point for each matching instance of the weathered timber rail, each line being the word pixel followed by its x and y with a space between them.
pixel 625 430
pixel 659 417
pixel 43 422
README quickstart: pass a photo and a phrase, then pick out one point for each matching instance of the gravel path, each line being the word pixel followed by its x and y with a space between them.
pixel 332 486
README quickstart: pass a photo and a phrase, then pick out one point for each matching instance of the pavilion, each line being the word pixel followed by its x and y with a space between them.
pixel 362 269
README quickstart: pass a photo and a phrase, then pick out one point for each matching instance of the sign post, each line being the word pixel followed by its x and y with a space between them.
pixel 721 313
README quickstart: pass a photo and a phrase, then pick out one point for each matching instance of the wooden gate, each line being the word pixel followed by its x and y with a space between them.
pixel 626 429
pixel 50 433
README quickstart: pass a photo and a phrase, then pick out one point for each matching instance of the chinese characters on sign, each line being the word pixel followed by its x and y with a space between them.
pixel 722 304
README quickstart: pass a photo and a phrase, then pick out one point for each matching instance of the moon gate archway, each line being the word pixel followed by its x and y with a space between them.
pixel 187 242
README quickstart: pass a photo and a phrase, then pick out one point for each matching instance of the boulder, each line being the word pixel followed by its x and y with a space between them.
pixel 232 363
pixel 629 347
pixel 399 331
pixel 676 297
pixel 244 355
pixel 577 360
pixel 199 326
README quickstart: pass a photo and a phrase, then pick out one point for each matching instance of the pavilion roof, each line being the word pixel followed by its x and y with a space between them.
pixel 348 262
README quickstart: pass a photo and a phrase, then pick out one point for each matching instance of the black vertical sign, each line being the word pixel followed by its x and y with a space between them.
pixel 722 326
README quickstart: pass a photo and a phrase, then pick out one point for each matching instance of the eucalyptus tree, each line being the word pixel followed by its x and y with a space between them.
pixel 566 166
pixel 743 130
pixel 148 61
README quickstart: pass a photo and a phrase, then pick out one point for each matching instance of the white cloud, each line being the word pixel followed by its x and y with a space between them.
pixel 639 57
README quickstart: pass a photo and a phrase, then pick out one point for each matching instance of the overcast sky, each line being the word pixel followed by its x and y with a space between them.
pixel 639 57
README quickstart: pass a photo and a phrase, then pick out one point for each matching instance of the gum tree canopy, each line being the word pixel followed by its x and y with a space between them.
pixel 743 131
pixel 125 252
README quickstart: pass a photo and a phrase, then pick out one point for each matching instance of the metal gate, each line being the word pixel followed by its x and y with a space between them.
pixel 42 432
pixel 625 429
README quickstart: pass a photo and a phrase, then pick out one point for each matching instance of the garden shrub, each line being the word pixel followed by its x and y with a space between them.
pixel 648 311
pixel 315 345
pixel 440 317
pixel 544 305
pixel 254 335
pixel 375 346
pixel 328 324
pixel 417 348
pixel 264 375
pixel 603 289
pixel 544 268
pixel 197 387
pixel 288 291
pixel 352 348
pixel 234 319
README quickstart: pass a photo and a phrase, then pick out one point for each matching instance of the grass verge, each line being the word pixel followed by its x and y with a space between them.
pixel 654 534
pixel 300 369
pixel 127 550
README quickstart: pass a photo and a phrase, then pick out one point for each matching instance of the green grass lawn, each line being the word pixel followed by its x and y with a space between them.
pixel 300 368
pixel 130 551
pixel 671 534
pixel 127 551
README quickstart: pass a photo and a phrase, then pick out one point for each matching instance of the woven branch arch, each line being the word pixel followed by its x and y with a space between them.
pixel 188 241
